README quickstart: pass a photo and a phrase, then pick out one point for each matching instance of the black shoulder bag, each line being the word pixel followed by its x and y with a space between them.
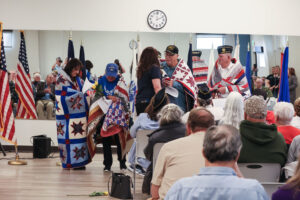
pixel 120 186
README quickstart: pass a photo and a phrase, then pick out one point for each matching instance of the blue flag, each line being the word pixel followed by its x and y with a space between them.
pixel 248 70
pixel 70 50
pixel 284 92
pixel 190 58
pixel 82 59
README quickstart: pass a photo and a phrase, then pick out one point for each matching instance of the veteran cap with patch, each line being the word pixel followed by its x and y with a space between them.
pixel 172 49
pixel 225 49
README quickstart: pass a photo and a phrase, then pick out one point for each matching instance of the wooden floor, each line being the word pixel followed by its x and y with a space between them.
pixel 41 179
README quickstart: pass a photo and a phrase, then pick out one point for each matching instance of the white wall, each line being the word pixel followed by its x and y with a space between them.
pixel 294 58
pixel 32 49
pixel 273 17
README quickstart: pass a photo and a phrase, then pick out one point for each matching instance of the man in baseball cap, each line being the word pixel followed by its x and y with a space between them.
pixel 177 80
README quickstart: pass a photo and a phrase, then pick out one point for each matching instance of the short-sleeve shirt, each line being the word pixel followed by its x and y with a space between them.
pixel 145 86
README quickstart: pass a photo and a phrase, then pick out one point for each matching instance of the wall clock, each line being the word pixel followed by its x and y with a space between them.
pixel 157 19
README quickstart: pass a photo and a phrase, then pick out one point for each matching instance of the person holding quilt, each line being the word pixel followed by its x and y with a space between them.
pixel 71 117
pixel 178 75
pixel 228 75
pixel 109 117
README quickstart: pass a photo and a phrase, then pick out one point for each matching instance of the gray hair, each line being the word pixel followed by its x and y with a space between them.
pixel 284 111
pixel 234 110
pixel 256 107
pixel 222 143
pixel 170 113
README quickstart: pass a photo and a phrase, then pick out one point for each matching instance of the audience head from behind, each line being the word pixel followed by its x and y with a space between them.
pixel 204 96
pixel 255 109
pixel 222 145
pixel 234 110
pixel 284 113
pixel 199 119
pixel 169 114
pixel 221 149
pixel 73 68
pixel 157 102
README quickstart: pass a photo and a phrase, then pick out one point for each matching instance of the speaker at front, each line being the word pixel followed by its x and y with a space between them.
pixel 41 146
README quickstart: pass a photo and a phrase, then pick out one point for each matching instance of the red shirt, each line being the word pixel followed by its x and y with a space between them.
pixel 288 132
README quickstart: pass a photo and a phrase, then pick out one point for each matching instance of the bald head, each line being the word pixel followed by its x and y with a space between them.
pixel 200 119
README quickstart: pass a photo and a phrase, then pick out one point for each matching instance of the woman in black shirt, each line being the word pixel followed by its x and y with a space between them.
pixel 149 78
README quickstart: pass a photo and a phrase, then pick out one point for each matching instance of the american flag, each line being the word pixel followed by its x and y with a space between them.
pixel 26 104
pixel 7 122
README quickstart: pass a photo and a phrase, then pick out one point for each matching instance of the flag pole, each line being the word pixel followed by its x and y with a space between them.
pixel 17 161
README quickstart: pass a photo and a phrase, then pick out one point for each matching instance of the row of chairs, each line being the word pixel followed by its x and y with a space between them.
pixel 267 174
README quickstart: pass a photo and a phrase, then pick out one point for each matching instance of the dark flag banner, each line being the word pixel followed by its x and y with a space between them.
pixel 70 50
pixel 284 92
pixel 248 70
pixel 190 58
pixel 82 59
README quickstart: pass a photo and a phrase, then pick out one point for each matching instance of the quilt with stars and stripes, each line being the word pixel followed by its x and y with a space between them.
pixel 71 122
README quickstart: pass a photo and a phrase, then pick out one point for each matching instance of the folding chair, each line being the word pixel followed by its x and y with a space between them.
pixel 263 172
pixel 156 151
pixel 271 187
pixel 141 142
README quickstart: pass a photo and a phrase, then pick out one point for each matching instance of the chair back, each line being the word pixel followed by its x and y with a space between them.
pixel 156 150
pixel 141 142
pixel 271 187
pixel 263 172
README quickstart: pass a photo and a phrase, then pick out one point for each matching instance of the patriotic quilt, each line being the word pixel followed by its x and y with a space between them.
pixel 116 119
pixel 71 122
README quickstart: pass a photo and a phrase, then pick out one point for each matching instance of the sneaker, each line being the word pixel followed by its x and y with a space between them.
pixel 107 169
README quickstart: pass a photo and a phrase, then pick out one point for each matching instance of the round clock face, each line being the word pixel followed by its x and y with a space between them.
pixel 157 19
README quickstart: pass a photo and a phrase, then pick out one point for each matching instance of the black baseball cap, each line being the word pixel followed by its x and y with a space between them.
pixel 172 49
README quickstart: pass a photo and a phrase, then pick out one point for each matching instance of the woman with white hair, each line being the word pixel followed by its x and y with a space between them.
pixel 170 128
pixel 284 113
pixel 234 110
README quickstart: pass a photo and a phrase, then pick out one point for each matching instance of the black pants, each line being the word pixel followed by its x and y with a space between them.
pixel 107 142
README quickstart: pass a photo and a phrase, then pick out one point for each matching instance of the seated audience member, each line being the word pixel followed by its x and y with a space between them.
pixel 170 128
pixel 205 100
pixel 296 119
pixel 146 121
pixel 34 83
pixel 294 150
pixel 234 110
pixel 182 157
pixel 284 113
pixel 220 178
pixel 290 191
pixel 45 98
pixel 259 86
pixel 261 142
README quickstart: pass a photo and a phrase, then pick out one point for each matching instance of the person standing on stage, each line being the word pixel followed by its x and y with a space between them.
pixel 148 78
pixel 71 117
pixel 177 74
pixel 228 75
